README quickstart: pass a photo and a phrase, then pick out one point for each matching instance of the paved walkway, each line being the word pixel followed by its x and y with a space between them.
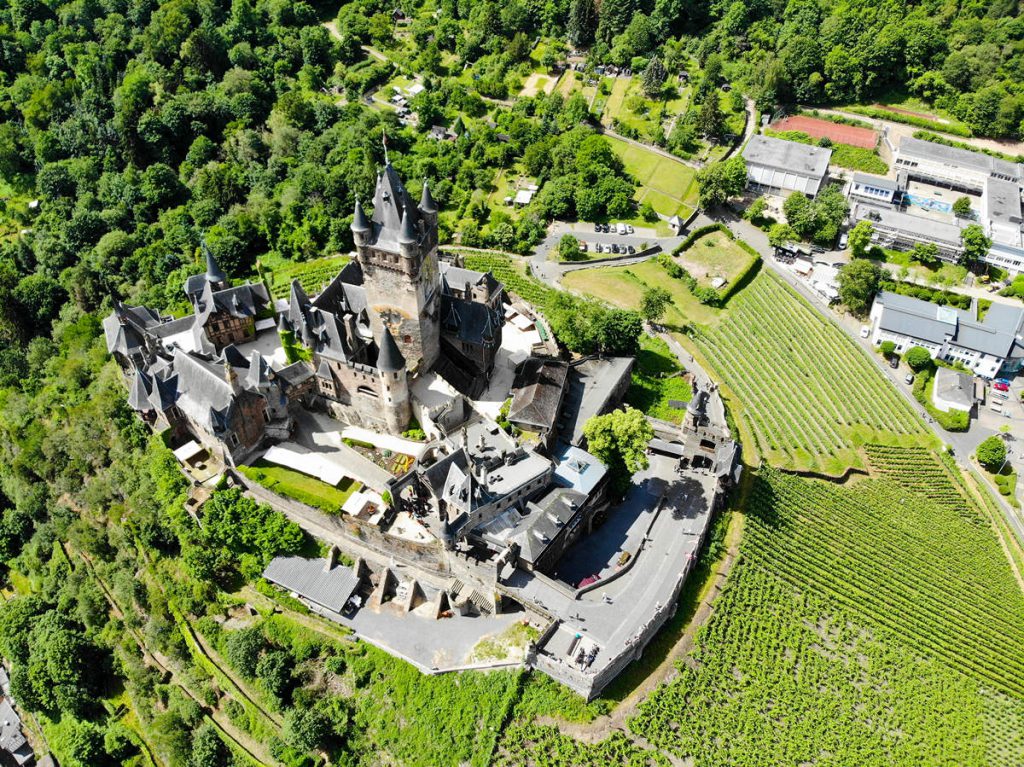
pixel 322 435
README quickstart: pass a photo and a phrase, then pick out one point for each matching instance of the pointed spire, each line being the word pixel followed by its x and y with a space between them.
pixel 408 234
pixel 359 221
pixel 213 271
pixel 427 204
pixel 390 359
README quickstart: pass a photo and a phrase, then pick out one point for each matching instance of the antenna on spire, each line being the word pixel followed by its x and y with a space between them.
pixel 384 140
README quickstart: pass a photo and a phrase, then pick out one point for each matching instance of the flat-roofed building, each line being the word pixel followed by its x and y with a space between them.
pixel 779 166
pixel 951 166
pixel 866 186
pixel 895 228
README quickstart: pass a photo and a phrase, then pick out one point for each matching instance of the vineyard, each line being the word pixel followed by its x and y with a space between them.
pixel 511 273
pixel 867 624
pixel 312 275
pixel 811 395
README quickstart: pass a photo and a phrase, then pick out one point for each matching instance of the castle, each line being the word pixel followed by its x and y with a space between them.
pixel 395 312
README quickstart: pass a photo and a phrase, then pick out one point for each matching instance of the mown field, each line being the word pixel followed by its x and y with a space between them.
pixel 874 624
pixel 811 396
pixel 666 184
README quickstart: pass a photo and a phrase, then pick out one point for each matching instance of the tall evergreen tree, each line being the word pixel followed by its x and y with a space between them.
pixel 654 76
pixel 710 120
pixel 582 22
pixel 613 19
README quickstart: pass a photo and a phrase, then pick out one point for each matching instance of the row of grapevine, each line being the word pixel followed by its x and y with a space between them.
pixel 868 624
pixel 807 388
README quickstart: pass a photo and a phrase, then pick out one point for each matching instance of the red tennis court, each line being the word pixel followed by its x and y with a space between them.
pixel 842 134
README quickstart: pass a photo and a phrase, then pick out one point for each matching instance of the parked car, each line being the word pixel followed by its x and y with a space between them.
pixel 630 249
pixel 894 362
pixel 844 238
pixel 583 247
pixel 622 228
pixel 615 248
pixel 597 227
pixel 629 228
pixel 865 331
pixel 1002 381
pixel 909 379
pixel 1000 395
pixel 1000 385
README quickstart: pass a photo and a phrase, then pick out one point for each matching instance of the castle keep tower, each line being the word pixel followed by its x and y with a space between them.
pixel 397 251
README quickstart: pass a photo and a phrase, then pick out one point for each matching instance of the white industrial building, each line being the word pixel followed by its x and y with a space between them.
pixel 953 167
pixel 780 167
pixel 995 183
pixel 989 347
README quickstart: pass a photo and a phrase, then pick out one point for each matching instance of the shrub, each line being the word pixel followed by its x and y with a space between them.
pixel 991 453
pixel 918 358
pixel 887 348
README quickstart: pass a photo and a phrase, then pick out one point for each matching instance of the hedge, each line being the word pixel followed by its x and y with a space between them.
pixel 955 420
pixel 699 232
pixel 742 279
pixel 919 122
pixel 934 295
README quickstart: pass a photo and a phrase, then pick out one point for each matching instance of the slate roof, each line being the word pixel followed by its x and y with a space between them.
pixel 547 518
pixel 787 156
pixel 537 392
pixel 124 328
pixel 310 579
pixel 12 740
pixel 457 277
pixel 591 385
pixel 393 207
pixel 579 470
pixel 389 359
pixel 470 321
pixel 998 334
pixel 246 300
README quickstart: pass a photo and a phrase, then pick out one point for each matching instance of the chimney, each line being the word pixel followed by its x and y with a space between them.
pixel 232 378
pixel 332 559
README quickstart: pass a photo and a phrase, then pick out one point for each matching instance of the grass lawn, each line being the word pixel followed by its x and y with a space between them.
pixel 301 487
pixel 712 255
pixel 624 286
pixel 667 184
pixel 616 101
pixel 655 381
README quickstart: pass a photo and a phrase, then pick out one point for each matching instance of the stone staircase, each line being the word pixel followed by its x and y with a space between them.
pixel 462 593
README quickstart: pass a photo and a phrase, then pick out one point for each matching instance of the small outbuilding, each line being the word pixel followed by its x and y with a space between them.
pixel 953 390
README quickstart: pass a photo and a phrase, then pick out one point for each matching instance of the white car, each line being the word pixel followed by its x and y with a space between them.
pixel 629 228
pixel 622 228
pixel 865 331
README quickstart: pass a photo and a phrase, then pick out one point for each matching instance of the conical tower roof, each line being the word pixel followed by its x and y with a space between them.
pixel 408 233
pixel 360 223
pixel 427 204
pixel 213 271
pixel 390 359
